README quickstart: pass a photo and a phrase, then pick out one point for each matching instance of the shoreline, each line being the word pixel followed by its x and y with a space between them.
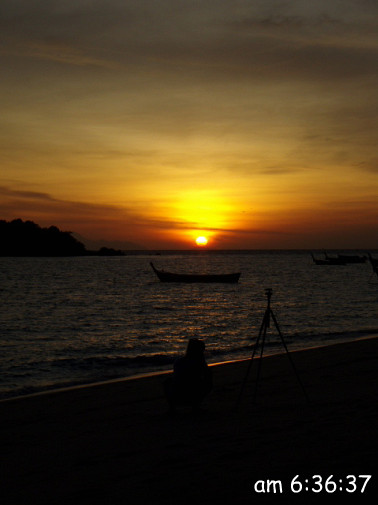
pixel 114 442
pixel 144 375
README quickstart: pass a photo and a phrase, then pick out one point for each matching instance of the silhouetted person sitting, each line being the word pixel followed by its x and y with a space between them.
pixel 191 380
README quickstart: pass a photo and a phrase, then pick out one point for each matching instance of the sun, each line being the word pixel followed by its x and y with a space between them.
pixel 201 241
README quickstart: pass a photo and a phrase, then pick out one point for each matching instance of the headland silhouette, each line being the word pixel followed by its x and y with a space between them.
pixel 26 238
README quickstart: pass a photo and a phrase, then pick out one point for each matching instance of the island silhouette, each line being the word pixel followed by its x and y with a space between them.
pixel 26 238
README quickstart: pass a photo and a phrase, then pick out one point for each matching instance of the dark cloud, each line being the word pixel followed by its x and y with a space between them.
pixel 29 202
pixel 195 41
pixel 370 165
pixel 33 195
pixel 187 225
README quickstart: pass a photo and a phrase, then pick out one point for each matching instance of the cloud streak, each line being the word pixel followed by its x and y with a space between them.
pixel 55 52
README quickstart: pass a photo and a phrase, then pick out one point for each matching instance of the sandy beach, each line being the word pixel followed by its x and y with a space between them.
pixel 115 443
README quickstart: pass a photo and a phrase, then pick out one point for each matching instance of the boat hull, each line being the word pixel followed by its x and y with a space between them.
pixel 232 278
pixel 328 261
pixel 352 258
pixel 374 263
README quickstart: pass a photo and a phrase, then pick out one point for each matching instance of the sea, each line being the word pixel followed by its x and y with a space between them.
pixel 80 320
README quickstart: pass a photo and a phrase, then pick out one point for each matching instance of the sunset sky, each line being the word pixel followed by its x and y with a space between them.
pixel 149 123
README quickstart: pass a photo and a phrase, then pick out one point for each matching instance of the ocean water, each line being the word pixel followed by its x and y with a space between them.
pixel 69 321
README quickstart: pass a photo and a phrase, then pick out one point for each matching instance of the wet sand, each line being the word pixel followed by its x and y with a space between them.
pixel 115 443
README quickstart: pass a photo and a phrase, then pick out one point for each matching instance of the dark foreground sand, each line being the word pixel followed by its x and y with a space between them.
pixel 115 443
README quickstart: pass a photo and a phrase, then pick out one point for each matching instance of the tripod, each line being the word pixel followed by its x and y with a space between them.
pixel 262 333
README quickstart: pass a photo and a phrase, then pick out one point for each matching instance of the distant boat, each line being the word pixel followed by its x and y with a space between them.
pixel 174 277
pixel 352 258
pixel 328 260
pixel 374 263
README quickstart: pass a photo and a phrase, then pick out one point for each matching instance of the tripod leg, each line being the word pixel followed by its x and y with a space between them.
pixel 260 360
pixel 288 354
pixel 250 362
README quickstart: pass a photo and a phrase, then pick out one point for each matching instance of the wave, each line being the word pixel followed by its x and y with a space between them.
pixel 146 360
pixel 115 361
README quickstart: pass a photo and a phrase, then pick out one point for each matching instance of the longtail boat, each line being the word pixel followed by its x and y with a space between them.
pixel 352 258
pixel 374 263
pixel 328 261
pixel 176 277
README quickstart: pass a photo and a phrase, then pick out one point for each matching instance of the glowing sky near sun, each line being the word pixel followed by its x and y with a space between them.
pixel 149 124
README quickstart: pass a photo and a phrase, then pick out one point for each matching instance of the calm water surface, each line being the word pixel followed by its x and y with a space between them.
pixel 66 321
